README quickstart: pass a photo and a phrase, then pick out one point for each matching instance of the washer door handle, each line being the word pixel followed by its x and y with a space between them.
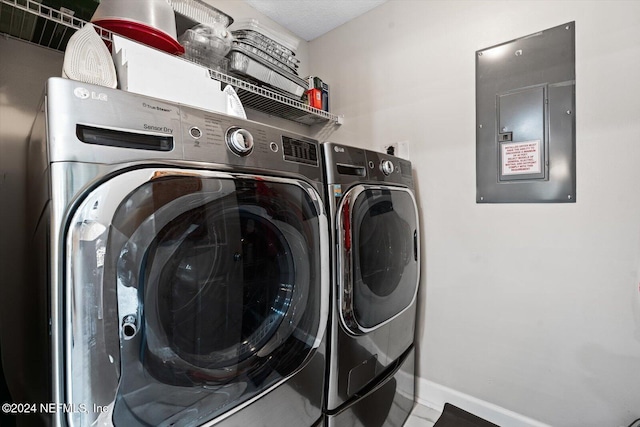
pixel 415 245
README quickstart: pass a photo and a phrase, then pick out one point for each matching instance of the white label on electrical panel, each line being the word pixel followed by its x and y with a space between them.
pixel 520 158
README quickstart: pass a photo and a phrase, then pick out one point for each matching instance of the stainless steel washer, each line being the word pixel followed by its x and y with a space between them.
pixel 376 272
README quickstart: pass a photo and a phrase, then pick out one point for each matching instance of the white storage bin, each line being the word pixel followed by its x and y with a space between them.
pixel 150 72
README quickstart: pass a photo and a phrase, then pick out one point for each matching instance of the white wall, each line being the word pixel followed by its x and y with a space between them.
pixel 531 307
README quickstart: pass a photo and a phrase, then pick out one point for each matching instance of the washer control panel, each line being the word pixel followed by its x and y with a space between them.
pixel 347 165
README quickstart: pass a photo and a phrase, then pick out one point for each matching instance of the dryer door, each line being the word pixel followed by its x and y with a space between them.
pixel 212 291
pixel 379 255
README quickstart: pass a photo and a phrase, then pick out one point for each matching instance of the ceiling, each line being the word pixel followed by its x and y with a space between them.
pixel 309 19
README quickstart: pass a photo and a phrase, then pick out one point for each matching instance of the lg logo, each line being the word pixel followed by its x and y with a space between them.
pixel 338 149
pixel 84 93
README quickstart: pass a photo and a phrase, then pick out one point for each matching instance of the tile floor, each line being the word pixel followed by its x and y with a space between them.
pixel 422 416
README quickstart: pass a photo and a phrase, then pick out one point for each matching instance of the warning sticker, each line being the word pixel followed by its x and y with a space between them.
pixel 520 158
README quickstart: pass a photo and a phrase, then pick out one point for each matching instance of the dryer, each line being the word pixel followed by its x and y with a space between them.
pixel 180 266
pixel 376 273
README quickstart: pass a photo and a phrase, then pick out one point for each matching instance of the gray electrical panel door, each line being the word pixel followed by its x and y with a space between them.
pixel 525 112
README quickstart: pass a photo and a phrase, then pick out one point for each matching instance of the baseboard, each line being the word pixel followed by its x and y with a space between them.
pixel 434 396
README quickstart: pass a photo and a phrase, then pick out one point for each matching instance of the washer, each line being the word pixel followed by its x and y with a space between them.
pixel 180 265
pixel 376 272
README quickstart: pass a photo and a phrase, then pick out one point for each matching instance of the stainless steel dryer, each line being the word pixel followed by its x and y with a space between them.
pixel 180 266
pixel 376 259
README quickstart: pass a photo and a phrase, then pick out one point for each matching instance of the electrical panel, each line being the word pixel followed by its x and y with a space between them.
pixel 525 117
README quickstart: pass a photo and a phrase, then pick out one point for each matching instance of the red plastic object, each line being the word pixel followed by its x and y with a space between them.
pixel 315 98
pixel 346 223
pixel 142 33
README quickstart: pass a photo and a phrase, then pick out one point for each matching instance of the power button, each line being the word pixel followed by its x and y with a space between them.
pixel 195 132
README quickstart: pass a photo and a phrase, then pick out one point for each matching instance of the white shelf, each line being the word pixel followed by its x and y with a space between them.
pixel 270 102
pixel 19 18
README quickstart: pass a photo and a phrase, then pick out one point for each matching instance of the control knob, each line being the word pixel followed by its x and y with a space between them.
pixel 387 167
pixel 240 141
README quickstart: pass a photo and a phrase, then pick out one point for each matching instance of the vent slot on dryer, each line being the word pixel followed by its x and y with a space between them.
pixel 122 139
pixel 351 170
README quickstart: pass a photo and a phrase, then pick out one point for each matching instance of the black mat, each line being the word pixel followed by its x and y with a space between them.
pixel 452 416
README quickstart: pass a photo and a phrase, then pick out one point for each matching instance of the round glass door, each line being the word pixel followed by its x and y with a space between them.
pixel 217 285
pixel 224 286
pixel 380 246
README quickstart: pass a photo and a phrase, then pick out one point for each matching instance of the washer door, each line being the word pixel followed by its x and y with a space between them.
pixel 379 253
pixel 219 286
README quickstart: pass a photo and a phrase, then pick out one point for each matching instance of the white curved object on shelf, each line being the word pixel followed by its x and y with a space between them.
pixel 234 105
pixel 88 60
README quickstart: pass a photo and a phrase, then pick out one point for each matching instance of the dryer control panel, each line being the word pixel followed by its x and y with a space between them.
pixel 296 150
pixel 221 139
pixel 102 125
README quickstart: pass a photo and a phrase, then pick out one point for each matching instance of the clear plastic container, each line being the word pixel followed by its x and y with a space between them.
pixel 207 59
pixel 212 39
pixel 274 62
pixel 244 63
pixel 288 41
pixel 266 44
